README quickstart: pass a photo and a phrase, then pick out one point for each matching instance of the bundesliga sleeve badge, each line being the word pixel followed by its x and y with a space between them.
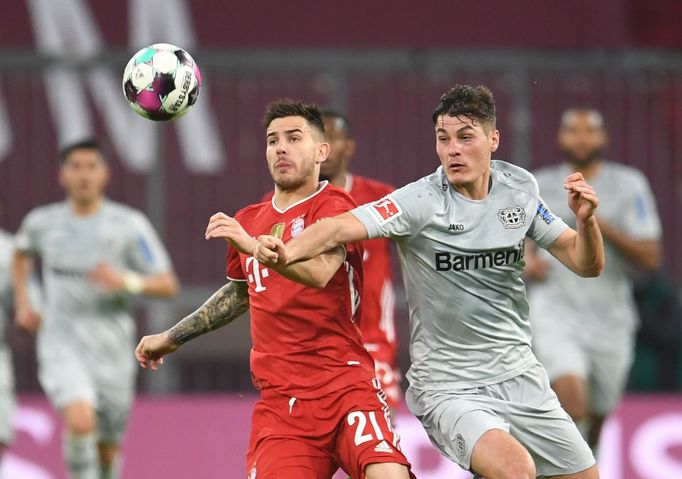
pixel 385 210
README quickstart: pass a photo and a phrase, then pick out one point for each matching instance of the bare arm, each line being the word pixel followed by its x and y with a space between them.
pixel 581 250
pixel 315 273
pixel 224 306
pixel 313 241
pixel 160 285
pixel 27 317
pixel 644 254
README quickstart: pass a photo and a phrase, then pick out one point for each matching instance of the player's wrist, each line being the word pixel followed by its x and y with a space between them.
pixel 133 282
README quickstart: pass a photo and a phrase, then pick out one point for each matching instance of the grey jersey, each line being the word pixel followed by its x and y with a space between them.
pixel 602 304
pixel 462 263
pixel 76 313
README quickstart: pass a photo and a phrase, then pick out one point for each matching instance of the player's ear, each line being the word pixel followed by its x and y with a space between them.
pixel 323 150
pixel 494 140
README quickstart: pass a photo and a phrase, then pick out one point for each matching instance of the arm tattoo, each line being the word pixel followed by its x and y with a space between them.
pixel 226 304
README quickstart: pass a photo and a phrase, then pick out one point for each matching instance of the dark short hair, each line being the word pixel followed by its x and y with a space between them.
pixel 286 107
pixel 87 144
pixel 473 102
pixel 336 115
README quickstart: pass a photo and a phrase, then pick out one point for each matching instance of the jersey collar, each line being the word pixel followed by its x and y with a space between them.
pixel 322 186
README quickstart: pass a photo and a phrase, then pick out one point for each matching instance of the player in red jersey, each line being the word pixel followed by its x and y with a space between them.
pixel 321 406
pixel 378 299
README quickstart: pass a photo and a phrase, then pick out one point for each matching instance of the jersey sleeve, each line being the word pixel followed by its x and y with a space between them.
pixel 401 214
pixel 146 253
pixel 27 239
pixel 546 226
pixel 233 270
pixel 640 219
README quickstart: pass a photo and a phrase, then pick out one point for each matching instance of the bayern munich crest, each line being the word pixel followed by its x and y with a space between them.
pixel 297 226
pixel 512 218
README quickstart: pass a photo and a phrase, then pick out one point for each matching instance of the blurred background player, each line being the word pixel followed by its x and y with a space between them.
pixel 320 405
pixel 95 254
pixel 377 324
pixel 480 393
pixel 584 329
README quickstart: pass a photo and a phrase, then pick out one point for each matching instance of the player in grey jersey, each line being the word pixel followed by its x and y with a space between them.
pixel 475 384
pixel 584 329
pixel 95 254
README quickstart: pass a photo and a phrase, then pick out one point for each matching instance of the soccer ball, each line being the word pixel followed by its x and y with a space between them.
pixel 161 82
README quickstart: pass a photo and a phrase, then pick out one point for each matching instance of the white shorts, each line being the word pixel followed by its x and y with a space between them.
pixel 603 362
pixel 524 406
pixel 65 377
pixel 7 400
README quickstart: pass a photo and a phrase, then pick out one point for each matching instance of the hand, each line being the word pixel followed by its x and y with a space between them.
pixel 222 226
pixel 108 278
pixel 270 251
pixel 27 319
pixel 582 199
pixel 152 349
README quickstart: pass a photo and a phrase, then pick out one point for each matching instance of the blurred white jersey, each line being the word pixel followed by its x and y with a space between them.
pixel 77 314
pixel 462 264
pixel 603 305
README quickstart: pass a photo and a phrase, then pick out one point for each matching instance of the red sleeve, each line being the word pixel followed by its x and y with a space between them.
pixel 234 266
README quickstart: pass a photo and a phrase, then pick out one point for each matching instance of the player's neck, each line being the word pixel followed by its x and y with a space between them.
pixel 85 208
pixel 589 170
pixel 285 198
pixel 476 190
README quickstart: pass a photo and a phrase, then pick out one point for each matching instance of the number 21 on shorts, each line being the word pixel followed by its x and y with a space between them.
pixel 360 418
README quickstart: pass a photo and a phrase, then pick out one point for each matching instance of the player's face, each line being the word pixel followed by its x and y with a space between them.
pixel 341 145
pixel 294 152
pixel 464 148
pixel 84 175
pixel 582 137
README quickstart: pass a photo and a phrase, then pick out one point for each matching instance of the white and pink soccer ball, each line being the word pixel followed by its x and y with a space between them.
pixel 161 82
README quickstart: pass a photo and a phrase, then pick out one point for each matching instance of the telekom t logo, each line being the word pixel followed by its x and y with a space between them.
pixel 256 273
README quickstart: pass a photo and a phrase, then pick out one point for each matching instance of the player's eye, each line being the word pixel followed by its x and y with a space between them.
pixel 442 139
pixel 272 141
pixel 294 139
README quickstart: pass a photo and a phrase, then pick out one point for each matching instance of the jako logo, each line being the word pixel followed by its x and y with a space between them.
pixel 457 262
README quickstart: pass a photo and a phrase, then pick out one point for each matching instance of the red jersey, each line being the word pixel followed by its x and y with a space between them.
pixel 378 298
pixel 305 340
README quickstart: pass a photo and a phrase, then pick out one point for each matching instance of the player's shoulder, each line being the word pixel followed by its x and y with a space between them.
pixel 623 175
pixel 515 176
pixel 253 209
pixel 122 213
pixel 48 213
pixel 551 172
pixel 379 188
pixel 328 191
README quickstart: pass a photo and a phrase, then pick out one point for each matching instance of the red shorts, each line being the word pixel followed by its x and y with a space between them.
pixel 312 438
pixel 387 372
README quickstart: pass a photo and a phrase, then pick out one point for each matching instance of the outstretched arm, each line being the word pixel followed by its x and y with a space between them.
pixel 27 318
pixel 315 273
pixel 313 241
pixel 581 250
pixel 225 305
